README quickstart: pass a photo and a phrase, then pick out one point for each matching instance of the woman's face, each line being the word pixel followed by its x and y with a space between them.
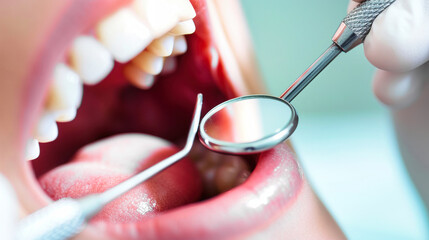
pixel 57 57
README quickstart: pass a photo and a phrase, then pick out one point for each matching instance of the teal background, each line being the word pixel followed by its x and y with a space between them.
pixel 345 139
pixel 289 35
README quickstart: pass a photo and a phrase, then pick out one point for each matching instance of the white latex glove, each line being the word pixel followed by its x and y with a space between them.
pixel 8 210
pixel 398 45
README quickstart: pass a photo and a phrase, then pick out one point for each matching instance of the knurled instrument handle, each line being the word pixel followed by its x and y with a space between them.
pixel 360 19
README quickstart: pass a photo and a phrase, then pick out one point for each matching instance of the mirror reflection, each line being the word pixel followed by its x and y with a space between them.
pixel 248 120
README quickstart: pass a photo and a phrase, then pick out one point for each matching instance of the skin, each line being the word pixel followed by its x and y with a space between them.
pixel 24 84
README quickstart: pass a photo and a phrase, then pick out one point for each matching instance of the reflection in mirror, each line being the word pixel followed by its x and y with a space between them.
pixel 248 120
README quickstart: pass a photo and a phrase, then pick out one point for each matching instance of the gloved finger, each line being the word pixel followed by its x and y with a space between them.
pixel 399 38
pixel 399 90
pixel 8 210
pixel 353 4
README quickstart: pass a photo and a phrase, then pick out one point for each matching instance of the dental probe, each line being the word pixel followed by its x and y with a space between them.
pixel 66 217
pixel 351 32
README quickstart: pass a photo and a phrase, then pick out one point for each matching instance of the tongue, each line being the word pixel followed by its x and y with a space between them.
pixel 103 164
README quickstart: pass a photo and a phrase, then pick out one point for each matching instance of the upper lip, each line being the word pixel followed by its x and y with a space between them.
pixel 275 181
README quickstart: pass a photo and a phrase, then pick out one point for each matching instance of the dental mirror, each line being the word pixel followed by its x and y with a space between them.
pixel 248 124
pixel 255 123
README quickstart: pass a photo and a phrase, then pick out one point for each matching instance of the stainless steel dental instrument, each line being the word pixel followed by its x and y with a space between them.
pixel 255 123
pixel 66 217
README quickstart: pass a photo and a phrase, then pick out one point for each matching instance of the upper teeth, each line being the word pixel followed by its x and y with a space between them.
pixel 47 129
pixel 90 59
pixel 183 9
pixel 159 15
pixel 137 77
pixel 149 62
pixel 66 115
pixel 179 46
pixel 182 28
pixel 155 25
pixel 169 65
pixel 162 46
pixel 32 149
pixel 66 90
pixel 124 35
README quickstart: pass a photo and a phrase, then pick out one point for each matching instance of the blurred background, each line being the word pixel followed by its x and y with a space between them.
pixel 345 138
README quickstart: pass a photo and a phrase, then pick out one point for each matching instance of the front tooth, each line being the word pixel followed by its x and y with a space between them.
pixel 124 35
pixel 32 149
pixel 184 9
pixel 149 62
pixel 162 46
pixel 66 90
pixel 90 59
pixel 183 28
pixel 137 77
pixel 160 15
pixel 47 129
pixel 179 46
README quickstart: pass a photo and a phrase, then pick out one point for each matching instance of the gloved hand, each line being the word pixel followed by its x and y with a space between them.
pixel 398 45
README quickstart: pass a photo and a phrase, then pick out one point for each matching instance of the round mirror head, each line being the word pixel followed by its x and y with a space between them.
pixel 248 124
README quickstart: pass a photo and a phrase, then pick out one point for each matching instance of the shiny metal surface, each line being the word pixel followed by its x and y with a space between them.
pixel 345 38
pixel 330 54
pixel 248 124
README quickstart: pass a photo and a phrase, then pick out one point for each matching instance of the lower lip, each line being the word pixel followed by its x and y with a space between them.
pixel 271 189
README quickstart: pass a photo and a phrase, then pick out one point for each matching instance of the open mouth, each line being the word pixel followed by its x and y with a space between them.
pixel 142 66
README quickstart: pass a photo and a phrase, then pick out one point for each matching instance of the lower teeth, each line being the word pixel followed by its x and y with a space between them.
pixel 219 172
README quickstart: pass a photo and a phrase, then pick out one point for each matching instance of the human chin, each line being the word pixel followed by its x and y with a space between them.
pixel 127 71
